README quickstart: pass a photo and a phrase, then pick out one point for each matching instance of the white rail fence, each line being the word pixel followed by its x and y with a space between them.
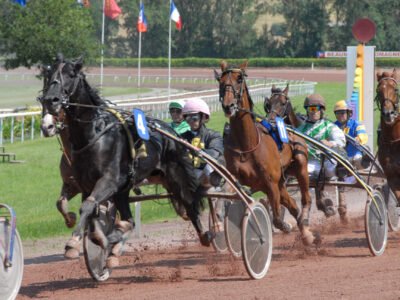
pixel 21 126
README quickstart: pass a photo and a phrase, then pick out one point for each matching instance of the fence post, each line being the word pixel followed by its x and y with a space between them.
pixel 12 130
pixel 1 131
pixel 22 129
pixel 33 128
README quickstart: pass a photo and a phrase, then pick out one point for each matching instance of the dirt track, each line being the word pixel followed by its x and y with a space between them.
pixel 342 268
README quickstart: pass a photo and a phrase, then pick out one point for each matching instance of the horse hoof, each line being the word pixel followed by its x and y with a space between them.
pixel 97 236
pixel 329 211
pixel 71 220
pixel 71 253
pixel 308 238
pixel 112 262
pixel 286 227
pixel 206 238
pixel 317 239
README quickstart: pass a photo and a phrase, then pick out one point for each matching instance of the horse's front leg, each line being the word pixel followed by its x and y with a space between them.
pixel 273 193
pixel 68 191
pixel 122 229
pixel 104 189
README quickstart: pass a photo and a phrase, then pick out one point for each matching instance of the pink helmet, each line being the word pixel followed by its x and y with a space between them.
pixel 196 105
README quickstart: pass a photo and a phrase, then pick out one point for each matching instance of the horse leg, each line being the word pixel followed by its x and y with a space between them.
pixel 103 190
pixel 274 197
pixel 68 191
pixel 342 209
pixel 303 220
pixel 122 230
pixel 193 212
pixel 394 184
pixel 72 247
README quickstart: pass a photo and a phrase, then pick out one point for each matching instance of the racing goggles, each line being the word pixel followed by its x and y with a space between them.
pixel 313 108
pixel 175 111
pixel 340 112
pixel 193 118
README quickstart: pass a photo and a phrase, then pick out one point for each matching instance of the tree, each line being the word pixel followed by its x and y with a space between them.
pixel 306 26
pixel 37 32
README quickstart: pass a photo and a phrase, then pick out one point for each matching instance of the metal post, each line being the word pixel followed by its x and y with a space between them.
pixel 22 128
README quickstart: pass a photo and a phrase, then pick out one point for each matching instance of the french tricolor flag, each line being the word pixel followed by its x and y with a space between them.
pixel 142 21
pixel 175 16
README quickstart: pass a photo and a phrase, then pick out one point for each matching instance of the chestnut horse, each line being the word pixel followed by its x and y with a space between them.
pixel 387 99
pixel 279 105
pixel 254 156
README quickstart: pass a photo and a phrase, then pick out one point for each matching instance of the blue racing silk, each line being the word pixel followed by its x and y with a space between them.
pixel 357 131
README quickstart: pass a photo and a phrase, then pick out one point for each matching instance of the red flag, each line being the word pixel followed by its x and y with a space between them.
pixel 111 9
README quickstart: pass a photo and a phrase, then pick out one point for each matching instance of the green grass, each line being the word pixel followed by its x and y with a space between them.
pixel 16 93
pixel 32 188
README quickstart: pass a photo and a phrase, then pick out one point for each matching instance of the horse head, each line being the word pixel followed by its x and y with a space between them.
pixel 233 92
pixel 278 104
pixel 387 96
pixel 65 78
pixel 50 125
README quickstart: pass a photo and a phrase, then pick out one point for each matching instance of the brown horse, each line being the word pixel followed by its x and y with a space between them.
pixel 387 99
pixel 254 156
pixel 279 105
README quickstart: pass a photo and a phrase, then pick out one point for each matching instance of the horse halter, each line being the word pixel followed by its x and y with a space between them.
pixel 236 90
pixel 392 114
pixel 59 79
pixel 270 111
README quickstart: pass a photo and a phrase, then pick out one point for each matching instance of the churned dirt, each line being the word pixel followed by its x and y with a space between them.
pixel 170 263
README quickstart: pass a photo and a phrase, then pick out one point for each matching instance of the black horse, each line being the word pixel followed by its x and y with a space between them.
pixel 103 158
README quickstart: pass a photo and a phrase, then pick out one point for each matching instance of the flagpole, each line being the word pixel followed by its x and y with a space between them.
pixel 139 55
pixel 169 54
pixel 102 48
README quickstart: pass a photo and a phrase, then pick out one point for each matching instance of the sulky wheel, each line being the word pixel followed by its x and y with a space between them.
pixel 376 223
pixel 218 242
pixel 392 209
pixel 257 241
pixel 95 255
pixel 233 227
pixel 10 273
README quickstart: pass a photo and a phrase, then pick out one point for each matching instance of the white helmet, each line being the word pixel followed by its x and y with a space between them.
pixel 196 105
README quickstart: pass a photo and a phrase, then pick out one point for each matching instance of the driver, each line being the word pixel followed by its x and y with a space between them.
pixel 197 114
pixel 343 114
pixel 178 122
pixel 328 134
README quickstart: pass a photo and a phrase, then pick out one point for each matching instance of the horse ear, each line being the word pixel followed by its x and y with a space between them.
pixel 378 76
pixel 273 87
pixel 394 73
pixel 217 75
pixel 244 65
pixel 59 58
pixel 78 63
pixel 286 90
pixel 224 65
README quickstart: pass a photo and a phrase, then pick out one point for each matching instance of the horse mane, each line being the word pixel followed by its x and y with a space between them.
pixel 93 93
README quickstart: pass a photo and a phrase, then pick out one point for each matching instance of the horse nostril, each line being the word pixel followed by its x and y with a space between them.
pixel 51 126
pixel 55 100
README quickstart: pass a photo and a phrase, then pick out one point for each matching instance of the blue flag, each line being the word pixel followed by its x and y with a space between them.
pixel 21 2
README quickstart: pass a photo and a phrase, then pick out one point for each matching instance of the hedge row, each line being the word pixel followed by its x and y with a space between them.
pixel 253 62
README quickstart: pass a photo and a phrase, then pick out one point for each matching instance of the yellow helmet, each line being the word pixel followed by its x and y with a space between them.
pixel 341 105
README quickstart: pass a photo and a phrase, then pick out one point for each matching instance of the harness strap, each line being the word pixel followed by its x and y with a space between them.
pixel 123 122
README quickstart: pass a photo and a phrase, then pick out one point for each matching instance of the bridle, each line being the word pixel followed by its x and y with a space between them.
pixel 236 89
pixel 393 114
pixel 272 113
pixel 59 80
